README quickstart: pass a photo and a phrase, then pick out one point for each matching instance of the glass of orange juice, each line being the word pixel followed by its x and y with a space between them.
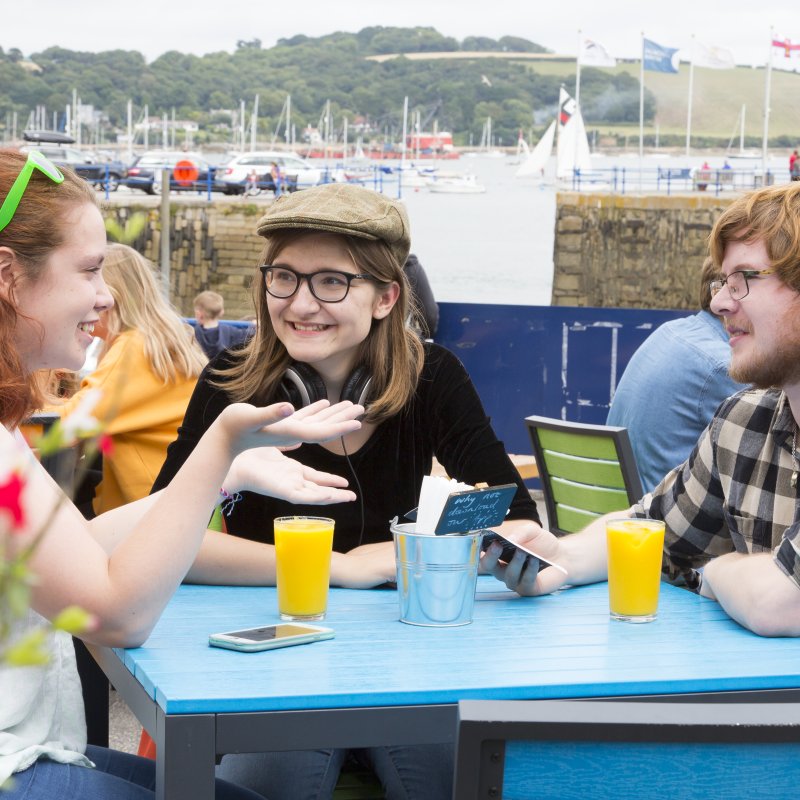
pixel 635 548
pixel 303 548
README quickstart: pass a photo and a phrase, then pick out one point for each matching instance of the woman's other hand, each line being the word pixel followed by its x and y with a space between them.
pixel 364 567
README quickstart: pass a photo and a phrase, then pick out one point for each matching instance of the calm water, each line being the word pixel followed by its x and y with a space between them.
pixel 497 247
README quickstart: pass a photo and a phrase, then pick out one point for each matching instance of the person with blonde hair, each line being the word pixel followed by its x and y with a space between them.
pixel 145 376
pixel 122 567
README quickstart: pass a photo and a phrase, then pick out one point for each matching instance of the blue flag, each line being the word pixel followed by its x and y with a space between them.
pixel 657 58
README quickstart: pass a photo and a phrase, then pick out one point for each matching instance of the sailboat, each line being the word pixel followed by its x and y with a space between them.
pixel 751 155
pixel 487 147
pixel 572 149
pixel 523 152
pixel 535 163
pixel 572 146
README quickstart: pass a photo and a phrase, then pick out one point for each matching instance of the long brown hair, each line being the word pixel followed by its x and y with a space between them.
pixel 37 228
pixel 392 351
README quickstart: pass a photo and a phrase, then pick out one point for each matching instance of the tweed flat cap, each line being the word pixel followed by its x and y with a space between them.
pixel 342 208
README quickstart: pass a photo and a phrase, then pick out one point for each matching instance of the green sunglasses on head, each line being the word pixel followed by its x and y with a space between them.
pixel 35 161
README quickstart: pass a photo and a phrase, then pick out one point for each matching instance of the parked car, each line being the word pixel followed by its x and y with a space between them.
pixel 145 172
pixel 253 171
pixel 87 165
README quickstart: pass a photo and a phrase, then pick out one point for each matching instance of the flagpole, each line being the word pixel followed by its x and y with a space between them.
pixel 641 114
pixel 766 109
pixel 691 94
pixel 577 100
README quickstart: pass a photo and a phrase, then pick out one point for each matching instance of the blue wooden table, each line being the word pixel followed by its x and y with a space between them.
pixel 380 681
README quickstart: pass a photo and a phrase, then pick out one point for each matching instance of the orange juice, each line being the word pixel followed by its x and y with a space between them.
pixel 635 548
pixel 303 559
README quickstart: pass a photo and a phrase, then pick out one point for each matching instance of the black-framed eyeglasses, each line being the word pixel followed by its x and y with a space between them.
pixel 327 285
pixel 737 282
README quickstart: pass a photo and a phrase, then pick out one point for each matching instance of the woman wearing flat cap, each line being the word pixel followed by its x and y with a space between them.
pixel 332 303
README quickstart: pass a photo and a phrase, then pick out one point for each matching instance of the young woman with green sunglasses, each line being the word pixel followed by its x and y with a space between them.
pixel 121 567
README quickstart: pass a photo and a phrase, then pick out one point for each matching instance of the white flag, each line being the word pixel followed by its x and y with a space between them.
pixel 595 55
pixel 712 57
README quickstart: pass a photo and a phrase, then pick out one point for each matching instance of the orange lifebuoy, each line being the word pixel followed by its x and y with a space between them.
pixel 185 172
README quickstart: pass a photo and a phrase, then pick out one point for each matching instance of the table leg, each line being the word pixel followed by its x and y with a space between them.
pixel 185 747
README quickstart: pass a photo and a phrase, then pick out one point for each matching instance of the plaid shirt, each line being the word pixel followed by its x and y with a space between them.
pixel 734 491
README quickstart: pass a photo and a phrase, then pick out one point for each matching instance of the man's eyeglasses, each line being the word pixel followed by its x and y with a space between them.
pixel 738 282
pixel 35 161
pixel 327 285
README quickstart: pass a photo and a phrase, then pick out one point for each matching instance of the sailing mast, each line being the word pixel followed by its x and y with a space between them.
pixel 741 132
pixel 254 125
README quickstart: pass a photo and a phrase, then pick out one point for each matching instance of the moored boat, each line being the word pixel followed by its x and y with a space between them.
pixel 457 184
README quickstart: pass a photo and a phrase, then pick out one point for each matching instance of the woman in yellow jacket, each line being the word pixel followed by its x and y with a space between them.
pixel 146 374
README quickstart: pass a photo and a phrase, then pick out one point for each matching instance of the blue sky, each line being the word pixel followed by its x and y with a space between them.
pixel 155 26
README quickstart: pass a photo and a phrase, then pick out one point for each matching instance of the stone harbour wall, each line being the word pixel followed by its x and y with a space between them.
pixel 213 246
pixel 631 251
pixel 609 251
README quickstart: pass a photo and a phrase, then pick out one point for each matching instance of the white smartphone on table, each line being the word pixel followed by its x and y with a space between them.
pixel 270 637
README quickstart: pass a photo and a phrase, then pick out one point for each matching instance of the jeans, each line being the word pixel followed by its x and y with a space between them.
pixel 421 772
pixel 118 776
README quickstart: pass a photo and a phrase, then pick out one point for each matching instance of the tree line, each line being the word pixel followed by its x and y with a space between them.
pixel 459 94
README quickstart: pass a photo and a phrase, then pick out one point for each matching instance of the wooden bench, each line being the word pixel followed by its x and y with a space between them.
pixel 674 173
pixel 703 178
pixel 525 464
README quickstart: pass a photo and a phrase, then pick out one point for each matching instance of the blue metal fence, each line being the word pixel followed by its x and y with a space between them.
pixel 395 179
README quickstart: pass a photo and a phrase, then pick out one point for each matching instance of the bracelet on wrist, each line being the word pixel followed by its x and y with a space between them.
pixel 227 501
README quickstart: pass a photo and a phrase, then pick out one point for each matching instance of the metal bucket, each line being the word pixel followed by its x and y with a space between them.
pixel 436 575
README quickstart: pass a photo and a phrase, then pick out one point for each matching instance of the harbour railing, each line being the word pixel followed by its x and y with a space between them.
pixel 395 179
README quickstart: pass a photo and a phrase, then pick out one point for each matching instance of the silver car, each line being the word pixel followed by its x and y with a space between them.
pixel 253 172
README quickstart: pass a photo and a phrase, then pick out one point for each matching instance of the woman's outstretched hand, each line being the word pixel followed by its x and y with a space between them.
pixel 279 425
pixel 267 471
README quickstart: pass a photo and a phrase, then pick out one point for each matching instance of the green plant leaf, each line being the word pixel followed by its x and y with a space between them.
pixel 18 597
pixel 29 651
pixel 126 234
pixel 74 620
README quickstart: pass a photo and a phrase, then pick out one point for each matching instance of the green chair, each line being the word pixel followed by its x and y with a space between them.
pixel 586 471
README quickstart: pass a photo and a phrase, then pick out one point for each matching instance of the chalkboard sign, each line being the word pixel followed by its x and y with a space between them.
pixel 476 509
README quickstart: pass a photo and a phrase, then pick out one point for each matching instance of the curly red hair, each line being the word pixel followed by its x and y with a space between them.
pixel 36 230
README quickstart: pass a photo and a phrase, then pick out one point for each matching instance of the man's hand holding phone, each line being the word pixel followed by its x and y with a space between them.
pixel 518 561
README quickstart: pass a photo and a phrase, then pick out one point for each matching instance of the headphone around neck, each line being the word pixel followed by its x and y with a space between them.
pixel 302 385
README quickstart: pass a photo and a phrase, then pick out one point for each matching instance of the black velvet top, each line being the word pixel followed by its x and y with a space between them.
pixel 445 419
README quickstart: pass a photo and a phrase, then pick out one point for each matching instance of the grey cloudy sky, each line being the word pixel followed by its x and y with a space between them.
pixel 154 26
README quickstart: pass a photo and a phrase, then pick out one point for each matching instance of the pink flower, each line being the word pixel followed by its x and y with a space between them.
pixel 105 444
pixel 10 491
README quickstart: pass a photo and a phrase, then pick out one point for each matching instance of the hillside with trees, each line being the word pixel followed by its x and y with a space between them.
pixel 457 94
